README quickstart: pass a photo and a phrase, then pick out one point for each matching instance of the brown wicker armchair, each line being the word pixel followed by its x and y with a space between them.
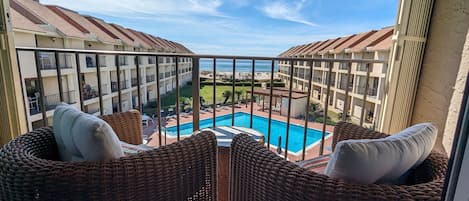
pixel 30 170
pixel 259 174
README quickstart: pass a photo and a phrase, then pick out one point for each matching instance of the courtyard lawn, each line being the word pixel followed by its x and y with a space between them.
pixel 206 92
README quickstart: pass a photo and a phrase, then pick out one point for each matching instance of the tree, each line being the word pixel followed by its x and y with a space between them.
pixel 227 94
pixel 184 102
pixel 238 94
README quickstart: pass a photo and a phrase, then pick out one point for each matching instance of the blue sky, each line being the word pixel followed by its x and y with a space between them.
pixel 241 27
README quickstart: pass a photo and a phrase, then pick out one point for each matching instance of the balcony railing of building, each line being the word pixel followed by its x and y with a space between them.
pixel 134 81
pixel 48 60
pixel 196 101
pixel 150 78
pixel 371 91
pixel 89 92
pixel 51 101
pixel 115 86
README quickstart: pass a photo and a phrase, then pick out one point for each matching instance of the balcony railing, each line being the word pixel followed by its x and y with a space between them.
pixel 150 78
pixel 89 92
pixel 268 101
pixel 134 81
pixel 50 101
pixel 115 86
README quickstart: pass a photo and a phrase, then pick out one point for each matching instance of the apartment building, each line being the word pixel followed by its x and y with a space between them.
pixel 48 26
pixel 374 44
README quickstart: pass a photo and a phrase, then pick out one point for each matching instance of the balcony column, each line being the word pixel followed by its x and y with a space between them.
pixel 13 119
pixel 410 35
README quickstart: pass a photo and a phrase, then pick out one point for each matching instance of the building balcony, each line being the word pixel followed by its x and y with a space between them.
pixel 150 78
pixel 177 114
pixel 50 101
pixel 115 87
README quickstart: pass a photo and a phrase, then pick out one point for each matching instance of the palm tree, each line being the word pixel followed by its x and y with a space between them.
pixel 238 94
pixel 227 94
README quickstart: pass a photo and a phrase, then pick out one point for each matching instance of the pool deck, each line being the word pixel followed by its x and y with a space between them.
pixel 311 152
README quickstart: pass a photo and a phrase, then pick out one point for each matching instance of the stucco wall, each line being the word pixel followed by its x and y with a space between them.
pixel 444 70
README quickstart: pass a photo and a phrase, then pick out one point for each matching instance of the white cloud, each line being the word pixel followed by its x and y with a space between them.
pixel 290 11
pixel 143 7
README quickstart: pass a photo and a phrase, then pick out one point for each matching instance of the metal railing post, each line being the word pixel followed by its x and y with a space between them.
pixel 195 94
pixel 345 109
pixel 326 107
pixel 365 93
pixel 158 102
pixel 305 134
pixel 139 79
pixel 100 91
pixel 59 76
pixel 233 93
pixel 214 92
pixel 41 89
pixel 177 100
pixel 252 92
pixel 119 92
pixel 269 126
pixel 289 108
pixel 80 88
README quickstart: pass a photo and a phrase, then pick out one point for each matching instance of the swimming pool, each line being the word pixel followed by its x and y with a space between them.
pixel 295 141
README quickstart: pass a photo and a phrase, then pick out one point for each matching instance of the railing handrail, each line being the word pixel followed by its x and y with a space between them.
pixel 211 56
pixel 327 79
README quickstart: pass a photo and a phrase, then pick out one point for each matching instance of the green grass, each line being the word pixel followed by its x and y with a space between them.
pixel 206 92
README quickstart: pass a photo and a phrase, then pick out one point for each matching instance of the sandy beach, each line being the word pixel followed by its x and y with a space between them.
pixel 239 75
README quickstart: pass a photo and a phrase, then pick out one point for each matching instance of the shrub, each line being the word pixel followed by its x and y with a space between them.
pixel 321 120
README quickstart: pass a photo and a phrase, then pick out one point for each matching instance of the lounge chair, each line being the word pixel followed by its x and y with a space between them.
pixel 30 169
pixel 272 178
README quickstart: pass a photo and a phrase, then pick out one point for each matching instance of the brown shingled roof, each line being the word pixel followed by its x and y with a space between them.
pixel 298 50
pixel 19 21
pixel 384 44
pixel 131 35
pixel 101 27
pixel 353 41
pixel 67 18
pixel 336 44
pixel 26 13
pixel 323 46
pixel 283 54
pixel 31 15
pixel 290 53
pixel 310 47
pixel 90 26
pixel 121 31
pixel 51 18
pixel 373 39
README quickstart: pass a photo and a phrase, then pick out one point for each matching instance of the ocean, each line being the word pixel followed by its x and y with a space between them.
pixel 225 65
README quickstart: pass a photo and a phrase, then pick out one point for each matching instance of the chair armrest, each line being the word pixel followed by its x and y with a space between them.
pixel 184 170
pixel 259 174
pixel 127 125
pixel 348 131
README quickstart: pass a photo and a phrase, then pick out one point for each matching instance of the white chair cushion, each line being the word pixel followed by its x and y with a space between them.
pixel 385 160
pixel 84 137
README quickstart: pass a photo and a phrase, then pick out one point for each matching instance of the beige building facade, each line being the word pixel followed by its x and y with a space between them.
pixel 46 26
pixel 375 44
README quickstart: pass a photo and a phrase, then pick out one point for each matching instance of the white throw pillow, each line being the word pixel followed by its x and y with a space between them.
pixel 84 137
pixel 385 160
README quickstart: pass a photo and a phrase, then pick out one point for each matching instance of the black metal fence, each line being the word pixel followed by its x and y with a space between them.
pixel 93 57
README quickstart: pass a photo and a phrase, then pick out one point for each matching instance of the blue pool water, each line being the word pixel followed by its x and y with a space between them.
pixel 295 141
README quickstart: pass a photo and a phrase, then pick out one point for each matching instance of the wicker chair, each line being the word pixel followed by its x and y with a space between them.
pixel 30 169
pixel 259 174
